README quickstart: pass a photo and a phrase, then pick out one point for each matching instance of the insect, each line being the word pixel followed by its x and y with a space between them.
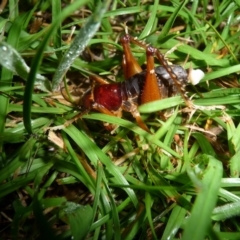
pixel 141 86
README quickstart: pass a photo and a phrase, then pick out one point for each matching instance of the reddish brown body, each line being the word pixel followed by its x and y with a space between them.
pixel 115 95
pixel 109 96
pixel 141 86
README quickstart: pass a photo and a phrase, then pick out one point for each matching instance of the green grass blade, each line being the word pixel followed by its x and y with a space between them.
pixel 56 11
pixel 160 104
pixel 95 154
pixel 207 194
pixel 150 23
pixel 46 231
pixel 79 218
pixel 36 63
pixel 170 21
pixel 80 42
pixel 13 61
pixel 133 127
pixel 226 211
pixel 176 220
pixel 6 75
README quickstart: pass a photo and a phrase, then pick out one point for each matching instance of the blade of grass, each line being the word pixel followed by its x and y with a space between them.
pixel 150 23
pixel 226 211
pixel 79 215
pixel 80 42
pixel 56 11
pixel 46 231
pixel 129 125
pixel 221 73
pixel 175 221
pixel 95 154
pixel 168 25
pixel 160 104
pixel 207 194
pixel 12 60
pixel 37 61
pixel 6 75
pixel 148 204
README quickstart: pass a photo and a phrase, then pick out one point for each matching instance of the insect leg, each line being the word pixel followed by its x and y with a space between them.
pixel 130 64
pixel 151 90
pixel 178 83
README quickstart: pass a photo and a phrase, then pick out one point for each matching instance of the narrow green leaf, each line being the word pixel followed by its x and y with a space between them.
pixel 226 211
pixel 205 202
pixel 129 125
pixel 12 60
pixel 95 155
pixel 235 140
pixel 79 218
pixel 160 104
pixel 6 75
pixel 221 72
pixel 56 11
pixel 80 42
pixel 174 223
pixel 204 144
pixel 235 165
pixel 150 23
pixel 45 229
pixel 36 63
pixel 168 25
pixel 148 203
